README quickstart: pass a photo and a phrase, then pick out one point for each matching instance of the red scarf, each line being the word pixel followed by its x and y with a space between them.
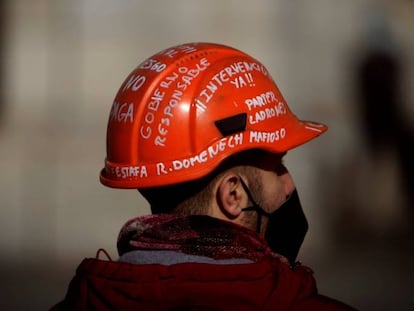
pixel 194 235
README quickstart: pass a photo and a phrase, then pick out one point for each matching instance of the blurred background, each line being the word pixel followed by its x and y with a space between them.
pixel 349 64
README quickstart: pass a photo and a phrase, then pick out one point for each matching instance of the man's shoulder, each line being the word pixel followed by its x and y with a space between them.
pixel 268 284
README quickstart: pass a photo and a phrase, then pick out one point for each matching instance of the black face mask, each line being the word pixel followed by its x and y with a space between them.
pixel 286 228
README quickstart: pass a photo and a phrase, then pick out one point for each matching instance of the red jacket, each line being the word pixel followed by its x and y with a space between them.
pixel 241 272
pixel 268 284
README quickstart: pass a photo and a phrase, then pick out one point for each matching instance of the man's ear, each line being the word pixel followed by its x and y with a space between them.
pixel 231 196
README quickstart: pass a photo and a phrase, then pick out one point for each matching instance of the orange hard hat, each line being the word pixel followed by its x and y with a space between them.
pixel 182 111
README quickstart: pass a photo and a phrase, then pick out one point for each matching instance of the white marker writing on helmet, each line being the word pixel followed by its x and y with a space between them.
pixel 122 112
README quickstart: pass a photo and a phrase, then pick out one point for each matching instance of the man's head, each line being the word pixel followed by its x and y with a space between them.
pixel 221 194
pixel 193 123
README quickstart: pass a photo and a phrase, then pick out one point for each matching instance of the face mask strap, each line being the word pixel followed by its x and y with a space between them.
pixel 255 207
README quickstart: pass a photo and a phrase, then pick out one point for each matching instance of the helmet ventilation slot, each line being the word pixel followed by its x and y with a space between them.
pixel 232 125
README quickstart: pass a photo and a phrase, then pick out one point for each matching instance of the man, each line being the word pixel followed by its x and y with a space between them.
pixel 201 130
